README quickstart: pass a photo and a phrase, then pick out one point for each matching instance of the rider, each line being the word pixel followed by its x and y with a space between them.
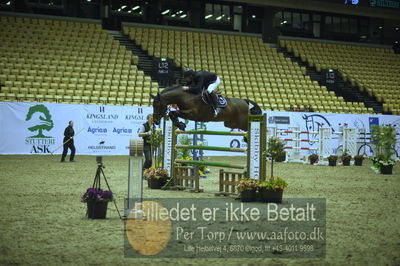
pixel 200 80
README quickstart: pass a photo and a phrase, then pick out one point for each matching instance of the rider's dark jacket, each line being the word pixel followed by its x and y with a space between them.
pixel 201 80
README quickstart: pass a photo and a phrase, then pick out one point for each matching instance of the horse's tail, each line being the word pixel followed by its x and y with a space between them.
pixel 254 108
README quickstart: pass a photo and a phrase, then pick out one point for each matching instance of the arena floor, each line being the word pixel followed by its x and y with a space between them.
pixel 43 222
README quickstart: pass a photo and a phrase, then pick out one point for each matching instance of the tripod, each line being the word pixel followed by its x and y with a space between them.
pixel 96 182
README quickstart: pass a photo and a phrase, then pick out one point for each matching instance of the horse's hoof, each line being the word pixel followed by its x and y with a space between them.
pixel 182 126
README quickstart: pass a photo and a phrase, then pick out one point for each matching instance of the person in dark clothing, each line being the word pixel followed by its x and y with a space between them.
pixel 69 142
pixel 147 128
pixel 202 80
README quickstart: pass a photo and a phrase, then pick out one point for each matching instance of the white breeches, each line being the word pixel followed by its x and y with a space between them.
pixel 214 85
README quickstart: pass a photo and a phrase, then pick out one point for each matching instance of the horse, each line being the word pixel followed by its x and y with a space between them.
pixel 192 107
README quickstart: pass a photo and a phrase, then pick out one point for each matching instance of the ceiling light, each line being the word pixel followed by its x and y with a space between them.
pixel 397 28
pixel 184 16
pixel 253 16
pixel 122 7
pixel 173 15
pixel 380 27
pixel 136 7
pixel 165 12
pixel 218 18
pixel 208 16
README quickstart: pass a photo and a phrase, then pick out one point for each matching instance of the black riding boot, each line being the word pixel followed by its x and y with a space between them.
pixel 214 99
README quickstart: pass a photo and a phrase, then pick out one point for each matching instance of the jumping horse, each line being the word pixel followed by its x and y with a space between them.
pixel 193 107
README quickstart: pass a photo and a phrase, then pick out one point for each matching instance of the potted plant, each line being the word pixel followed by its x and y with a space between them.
pixel 272 189
pixel 376 165
pixel 156 139
pixel 358 160
pixel 386 166
pixel 274 151
pixel 97 202
pixel 332 159
pixel 313 158
pixel 156 177
pixel 384 138
pixel 345 158
pixel 247 188
pixel 281 156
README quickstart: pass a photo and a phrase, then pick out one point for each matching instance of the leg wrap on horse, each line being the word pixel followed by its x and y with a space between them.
pixel 174 115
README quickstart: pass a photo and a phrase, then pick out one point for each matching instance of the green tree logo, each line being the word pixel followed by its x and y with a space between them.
pixel 45 122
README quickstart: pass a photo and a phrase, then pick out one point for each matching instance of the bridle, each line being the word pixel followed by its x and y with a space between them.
pixel 159 113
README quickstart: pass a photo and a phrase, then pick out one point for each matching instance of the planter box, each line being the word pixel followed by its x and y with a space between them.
pixel 273 196
pixel 155 183
pixel 346 162
pixel 97 210
pixel 386 169
pixel 248 195
pixel 332 163
pixel 358 162
pixel 280 158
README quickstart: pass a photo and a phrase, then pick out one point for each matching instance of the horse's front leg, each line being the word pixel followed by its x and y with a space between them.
pixel 174 115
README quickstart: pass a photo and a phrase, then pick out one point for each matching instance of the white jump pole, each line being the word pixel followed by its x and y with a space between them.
pixel 295 154
pixel 135 154
pixel 350 141
pixel 325 143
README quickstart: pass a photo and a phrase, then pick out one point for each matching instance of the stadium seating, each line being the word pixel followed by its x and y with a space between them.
pixel 375 70
pixel 68 62
pixel 78 62
pixel 249 68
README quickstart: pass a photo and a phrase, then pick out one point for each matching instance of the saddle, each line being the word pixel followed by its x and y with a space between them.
pixel 222 103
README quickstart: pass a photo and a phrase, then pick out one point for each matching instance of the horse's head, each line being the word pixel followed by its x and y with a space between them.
pixel 159 108
pixel 309 122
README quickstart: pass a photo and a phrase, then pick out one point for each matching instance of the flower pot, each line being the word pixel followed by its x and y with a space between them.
pixel 386 169
pixel 274 196
pixel 358 162
pixel 313 161
pixel 281 158
pixel 346 162
pixel 97 210
pixel 248 195
pixel 332 163
pixel 155 183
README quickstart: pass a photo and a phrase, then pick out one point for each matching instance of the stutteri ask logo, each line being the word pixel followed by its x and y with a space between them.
pixel 44 120
pixel 39 120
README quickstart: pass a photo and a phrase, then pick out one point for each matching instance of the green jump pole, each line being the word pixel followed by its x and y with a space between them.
pixel 209 148
pixel 227 165
pixel 202 132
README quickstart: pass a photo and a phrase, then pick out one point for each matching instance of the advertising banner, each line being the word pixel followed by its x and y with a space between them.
pixel 38 128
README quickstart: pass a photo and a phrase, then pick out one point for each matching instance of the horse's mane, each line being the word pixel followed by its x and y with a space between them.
pixel 170 88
